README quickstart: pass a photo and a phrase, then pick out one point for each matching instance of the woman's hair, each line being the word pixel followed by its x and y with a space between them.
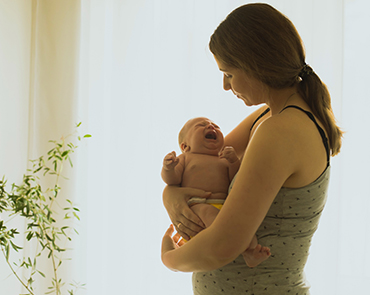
pixel 265 44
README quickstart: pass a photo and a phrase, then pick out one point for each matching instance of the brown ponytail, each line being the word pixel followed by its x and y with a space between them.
pixel 316 95
pixel 265 44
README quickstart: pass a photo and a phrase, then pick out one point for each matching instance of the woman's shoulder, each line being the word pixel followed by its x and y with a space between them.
pixel 296 141
pixel 282 122
pixel 289 120
pixel 284 133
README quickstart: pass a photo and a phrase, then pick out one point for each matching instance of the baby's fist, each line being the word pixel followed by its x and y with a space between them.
pixel 170 161
pixel 229 154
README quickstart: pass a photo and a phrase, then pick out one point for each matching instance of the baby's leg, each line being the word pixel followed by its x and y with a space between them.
pixel 255 254
pixel 207 213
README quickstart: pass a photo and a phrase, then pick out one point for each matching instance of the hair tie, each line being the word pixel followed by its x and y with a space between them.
pixel 305 71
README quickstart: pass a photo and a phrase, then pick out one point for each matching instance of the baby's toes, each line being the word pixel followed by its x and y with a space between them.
pixel 266 250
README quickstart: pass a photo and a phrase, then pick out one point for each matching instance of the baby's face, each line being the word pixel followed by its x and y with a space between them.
pixel 204 136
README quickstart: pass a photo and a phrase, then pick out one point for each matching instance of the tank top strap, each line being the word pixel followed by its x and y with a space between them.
pixel 321 131
pixel 259 117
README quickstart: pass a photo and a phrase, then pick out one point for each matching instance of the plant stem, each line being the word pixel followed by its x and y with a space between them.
pixel 14 272
pixel 56 182
pixel 50 247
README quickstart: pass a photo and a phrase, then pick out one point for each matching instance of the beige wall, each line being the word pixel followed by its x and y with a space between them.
pixel 15 40
pixel 15 63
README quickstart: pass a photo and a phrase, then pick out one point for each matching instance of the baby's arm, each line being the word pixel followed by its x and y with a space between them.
pixel 173 168
pixel 229 154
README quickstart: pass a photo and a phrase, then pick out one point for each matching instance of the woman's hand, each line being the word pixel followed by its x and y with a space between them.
pixel 170 243
pixel 185 221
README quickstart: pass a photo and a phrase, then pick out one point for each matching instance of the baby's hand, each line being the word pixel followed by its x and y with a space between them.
pixel 229 154
pixel 170 161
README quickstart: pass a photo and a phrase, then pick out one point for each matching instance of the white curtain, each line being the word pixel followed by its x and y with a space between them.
pixel 133 72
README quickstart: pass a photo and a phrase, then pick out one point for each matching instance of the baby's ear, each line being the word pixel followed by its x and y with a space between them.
pixel 184 147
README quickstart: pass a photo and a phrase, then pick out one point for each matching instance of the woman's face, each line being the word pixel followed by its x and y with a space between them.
pixel 245 87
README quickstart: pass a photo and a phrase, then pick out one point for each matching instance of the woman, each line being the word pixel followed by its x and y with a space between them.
pixel 285 146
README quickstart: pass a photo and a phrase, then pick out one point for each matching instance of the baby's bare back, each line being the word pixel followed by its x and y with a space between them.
pixel 209 173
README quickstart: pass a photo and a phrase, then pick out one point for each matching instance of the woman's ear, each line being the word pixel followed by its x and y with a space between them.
pixel 184 147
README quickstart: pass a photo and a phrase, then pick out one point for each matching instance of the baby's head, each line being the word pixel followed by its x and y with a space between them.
pixel 201 135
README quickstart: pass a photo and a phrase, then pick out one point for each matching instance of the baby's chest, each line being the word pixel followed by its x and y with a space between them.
pixel 206 164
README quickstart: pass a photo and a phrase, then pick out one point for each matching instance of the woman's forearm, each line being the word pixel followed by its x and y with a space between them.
pixel 204 252
pixel 170 193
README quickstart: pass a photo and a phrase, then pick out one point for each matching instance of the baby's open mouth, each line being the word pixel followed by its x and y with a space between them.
pixel 211 134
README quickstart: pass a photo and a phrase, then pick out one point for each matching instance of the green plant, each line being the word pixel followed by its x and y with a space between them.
pixel 29 200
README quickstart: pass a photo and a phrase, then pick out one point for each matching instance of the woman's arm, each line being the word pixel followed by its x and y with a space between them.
pixel 269 160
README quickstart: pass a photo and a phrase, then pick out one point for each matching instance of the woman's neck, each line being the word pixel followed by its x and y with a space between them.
pixel 278 99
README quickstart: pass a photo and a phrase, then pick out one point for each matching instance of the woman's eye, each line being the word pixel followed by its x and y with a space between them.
pixel 227 76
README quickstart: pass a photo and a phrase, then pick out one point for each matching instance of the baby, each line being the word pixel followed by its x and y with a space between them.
pixel 206 164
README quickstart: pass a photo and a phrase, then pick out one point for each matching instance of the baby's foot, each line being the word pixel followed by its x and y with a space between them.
pixel 254 257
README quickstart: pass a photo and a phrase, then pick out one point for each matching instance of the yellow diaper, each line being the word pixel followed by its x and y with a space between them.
pixel 218 206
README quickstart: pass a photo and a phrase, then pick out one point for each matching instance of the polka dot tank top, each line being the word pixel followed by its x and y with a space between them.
pixel 287 230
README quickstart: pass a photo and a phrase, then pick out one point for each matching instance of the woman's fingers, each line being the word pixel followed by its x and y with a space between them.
pixel 183 234
pixel 194 222
pixel 169 231
pixel 167 241
pixel 178 240
pixel 189 224
pixel 184 231
pixel 170 242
